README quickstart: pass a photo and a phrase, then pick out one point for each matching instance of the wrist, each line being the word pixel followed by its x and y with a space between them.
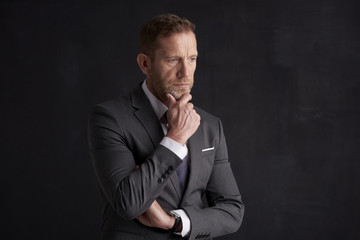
pixel 171 222
pixel 175 223
pixel 176 138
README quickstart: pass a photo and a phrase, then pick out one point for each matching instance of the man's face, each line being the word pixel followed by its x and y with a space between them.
pixel 172 65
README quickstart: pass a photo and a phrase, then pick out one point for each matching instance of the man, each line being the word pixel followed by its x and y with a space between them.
pixel 161 163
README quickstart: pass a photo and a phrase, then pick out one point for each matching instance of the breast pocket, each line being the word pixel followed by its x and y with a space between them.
pixel 206 163
pixel 208 149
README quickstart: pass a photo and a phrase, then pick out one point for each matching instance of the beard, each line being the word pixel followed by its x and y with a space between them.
pixel 177 93
pixel 162 87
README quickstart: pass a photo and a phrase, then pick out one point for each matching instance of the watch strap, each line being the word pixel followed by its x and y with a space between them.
pixel 176 224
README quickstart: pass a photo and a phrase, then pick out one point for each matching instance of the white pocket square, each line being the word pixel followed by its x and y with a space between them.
pixel 208 149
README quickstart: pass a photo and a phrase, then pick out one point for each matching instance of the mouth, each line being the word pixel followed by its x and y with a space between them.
pixel 182 85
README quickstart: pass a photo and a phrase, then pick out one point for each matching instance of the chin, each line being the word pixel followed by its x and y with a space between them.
pixel 177 95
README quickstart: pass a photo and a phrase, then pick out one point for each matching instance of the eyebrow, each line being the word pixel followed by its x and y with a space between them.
pixel 176 56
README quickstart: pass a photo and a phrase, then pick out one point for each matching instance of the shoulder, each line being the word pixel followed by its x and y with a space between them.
pixel 109 113
pixel 117 105
pixel 210 123
pixel 207 117
pixel 124 104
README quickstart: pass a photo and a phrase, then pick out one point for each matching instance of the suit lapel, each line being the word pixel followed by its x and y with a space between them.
pixel 194 146
pixel 153 128
pixel 146 115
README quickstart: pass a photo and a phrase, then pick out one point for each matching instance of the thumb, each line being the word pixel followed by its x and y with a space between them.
pixel 170 100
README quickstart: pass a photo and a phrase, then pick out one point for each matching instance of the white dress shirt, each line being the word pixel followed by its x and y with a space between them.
pixel 180 150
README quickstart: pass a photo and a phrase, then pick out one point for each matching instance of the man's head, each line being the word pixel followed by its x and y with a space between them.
pixel 163 25
pixel 168 55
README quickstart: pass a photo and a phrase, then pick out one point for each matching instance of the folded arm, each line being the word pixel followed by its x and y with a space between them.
pixel 129 191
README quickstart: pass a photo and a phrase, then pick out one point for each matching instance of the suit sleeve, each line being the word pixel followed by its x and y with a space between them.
pixel 225 211
pixel 129 191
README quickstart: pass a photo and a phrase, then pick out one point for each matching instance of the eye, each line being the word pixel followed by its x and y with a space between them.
pixel 192 59
pixel 172 60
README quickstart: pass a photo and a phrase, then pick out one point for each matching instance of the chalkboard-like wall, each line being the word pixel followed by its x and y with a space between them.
pixel 282 75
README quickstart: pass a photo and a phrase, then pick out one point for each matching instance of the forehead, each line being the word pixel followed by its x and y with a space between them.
pixel 177 43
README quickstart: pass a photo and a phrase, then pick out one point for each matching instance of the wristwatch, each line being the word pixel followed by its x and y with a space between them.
pixel 177 221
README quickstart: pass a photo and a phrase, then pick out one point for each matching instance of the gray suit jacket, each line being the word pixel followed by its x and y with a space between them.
pixel 125 132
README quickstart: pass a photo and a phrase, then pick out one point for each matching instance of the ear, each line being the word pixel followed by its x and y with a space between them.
pixel 144 63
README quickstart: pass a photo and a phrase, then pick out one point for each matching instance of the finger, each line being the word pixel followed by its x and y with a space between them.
pixel 185 99
pixel 190 106
pixel 196 114
pixel 171 100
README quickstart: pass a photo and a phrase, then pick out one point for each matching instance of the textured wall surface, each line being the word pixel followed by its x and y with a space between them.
pixel 283 75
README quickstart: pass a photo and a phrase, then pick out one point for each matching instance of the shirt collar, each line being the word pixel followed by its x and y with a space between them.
pixel 156 104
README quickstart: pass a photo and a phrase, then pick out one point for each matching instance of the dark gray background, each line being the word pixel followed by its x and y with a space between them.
pixel 282 75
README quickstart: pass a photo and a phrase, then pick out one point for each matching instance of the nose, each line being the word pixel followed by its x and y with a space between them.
pixel 183 70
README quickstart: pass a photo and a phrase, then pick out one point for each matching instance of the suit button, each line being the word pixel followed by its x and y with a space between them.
pixel 171 168
pixel 163 176
pixel 160 180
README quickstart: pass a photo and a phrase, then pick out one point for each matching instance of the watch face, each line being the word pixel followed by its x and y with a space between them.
pixel 174 214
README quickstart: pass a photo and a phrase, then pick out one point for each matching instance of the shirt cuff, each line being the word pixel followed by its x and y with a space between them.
pixel 180 150
pixel 185 221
